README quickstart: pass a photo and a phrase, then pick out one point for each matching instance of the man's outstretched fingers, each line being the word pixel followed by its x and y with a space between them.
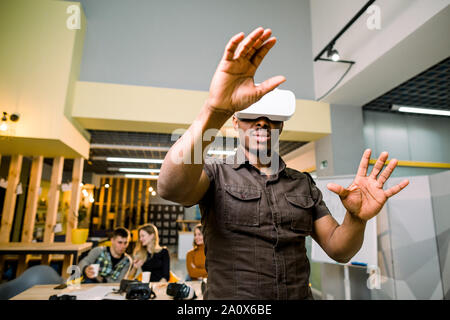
pixel 387 172
pixel 248 42
pixel 379 164
pixel 232 45
pixel 364 164
pixel 258 43
pixel 396 189
pixel 261 52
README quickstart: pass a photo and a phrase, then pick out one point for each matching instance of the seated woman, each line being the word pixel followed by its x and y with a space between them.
pixel 150 256
pixel 195 258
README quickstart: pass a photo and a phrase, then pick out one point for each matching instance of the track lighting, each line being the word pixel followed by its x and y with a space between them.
pixel 4 121
pixel 4 124
pixel 333 54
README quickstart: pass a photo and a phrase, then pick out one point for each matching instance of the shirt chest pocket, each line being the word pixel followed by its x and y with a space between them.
pixel 241 205
pixel 301 212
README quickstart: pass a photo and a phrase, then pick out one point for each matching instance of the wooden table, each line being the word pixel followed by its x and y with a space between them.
pixel 43 292
pixel 37 248
pixel 45 248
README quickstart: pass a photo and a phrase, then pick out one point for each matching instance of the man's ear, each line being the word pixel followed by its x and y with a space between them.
pixel 235 120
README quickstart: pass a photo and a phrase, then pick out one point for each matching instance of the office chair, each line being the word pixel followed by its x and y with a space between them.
pixel 40 274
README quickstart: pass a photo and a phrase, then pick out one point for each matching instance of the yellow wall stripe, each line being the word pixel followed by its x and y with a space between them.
pixel 407 163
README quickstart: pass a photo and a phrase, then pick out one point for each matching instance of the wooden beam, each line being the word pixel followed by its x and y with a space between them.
pixel 32 198
pixel 30 209
pixel 100 205
pixel 108 202
pixel 138 213
pixel 116 201
pixel 147 198
pixel 130 221
pixel 124 202
pixel 77 177
pixel 53 203
pixel 10 197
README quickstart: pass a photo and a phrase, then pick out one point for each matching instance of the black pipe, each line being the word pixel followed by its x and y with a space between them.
pixel 331 43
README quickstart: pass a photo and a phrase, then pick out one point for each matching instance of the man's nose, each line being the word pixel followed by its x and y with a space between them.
pixel 262 122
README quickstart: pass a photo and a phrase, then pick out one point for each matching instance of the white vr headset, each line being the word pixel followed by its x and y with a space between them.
pixel 277 105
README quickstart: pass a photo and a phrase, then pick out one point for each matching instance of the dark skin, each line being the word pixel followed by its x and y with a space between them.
pixel 233 89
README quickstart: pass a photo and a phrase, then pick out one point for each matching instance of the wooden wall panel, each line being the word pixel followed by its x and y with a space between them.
pixel 124 202
pixel 117 190
pixel 77 177
pixel 101 201
pixel 53 203
pixel 147 199
pixel 130 216
pixel 139 204
pixel 32 198
pixel 10 197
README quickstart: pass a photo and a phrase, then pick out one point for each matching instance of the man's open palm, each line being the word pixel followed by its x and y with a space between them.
pixel 232 88
pixel 365 197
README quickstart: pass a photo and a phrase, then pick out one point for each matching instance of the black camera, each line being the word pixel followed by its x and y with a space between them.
pixel 136 290
pixel 180 291
pixel 62 297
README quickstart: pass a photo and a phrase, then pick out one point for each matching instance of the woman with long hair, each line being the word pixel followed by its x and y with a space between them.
pixel 195 258
pixel 150 256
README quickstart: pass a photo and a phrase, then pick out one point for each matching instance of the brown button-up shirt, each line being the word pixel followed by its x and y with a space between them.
pixel 254 231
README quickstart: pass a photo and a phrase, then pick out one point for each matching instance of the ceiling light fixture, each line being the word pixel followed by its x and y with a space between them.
pixel 333 54
pixel 4 124
pixel 408 109
pixel 142 176
pixel 131 160
pixel 141 170
pixel 4 121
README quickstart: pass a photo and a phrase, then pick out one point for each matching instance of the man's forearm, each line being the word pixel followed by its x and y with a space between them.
pixel 347 239
pixel 183 163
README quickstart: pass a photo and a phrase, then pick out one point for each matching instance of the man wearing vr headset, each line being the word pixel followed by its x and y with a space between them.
pixel 255 214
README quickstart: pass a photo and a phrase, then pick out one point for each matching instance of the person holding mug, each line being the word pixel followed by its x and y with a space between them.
pixel 108 264
pixel 149 256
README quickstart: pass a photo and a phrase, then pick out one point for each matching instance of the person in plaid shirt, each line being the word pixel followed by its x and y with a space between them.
pixel 114 262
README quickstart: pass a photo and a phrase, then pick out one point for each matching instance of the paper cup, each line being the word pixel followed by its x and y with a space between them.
pixel 96 268
pixel 146 276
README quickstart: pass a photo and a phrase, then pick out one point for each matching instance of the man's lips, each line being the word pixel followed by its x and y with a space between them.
pixel 260 136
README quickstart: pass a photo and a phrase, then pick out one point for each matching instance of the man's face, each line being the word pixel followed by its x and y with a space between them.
pixel 258 135
pixel 119 244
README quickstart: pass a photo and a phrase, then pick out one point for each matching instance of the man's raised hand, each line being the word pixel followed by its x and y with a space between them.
pixel 232 88
pixel 365 197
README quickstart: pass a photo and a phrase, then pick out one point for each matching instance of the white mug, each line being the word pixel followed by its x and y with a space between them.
pixel 146 276
pixel 96 268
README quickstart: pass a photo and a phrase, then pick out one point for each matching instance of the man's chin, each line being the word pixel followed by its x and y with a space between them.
pixel 260 151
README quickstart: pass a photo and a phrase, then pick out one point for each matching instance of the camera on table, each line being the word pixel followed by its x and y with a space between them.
pixel 136 290
pixel 62 297
pixel 180 291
